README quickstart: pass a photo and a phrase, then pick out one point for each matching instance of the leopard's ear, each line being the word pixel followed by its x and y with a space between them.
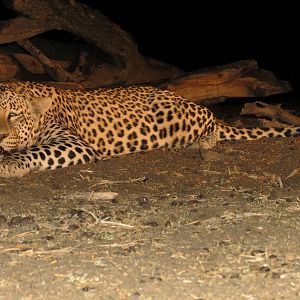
pixel 40 105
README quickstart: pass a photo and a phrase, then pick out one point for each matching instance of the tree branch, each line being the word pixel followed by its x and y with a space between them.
pixel 262 109
pixel 20 28
pixel 55 69
pixel 39 16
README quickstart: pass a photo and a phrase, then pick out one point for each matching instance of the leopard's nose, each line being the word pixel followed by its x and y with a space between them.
pixel 2 136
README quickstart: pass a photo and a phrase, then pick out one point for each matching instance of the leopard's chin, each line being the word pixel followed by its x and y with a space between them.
pixel 3 152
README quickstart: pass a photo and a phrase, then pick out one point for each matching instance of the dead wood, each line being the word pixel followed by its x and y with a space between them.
pixel 262 109
pixel 122 63
pixel 35 17
pixel 8 68
pixel 56 70
pixel 238 79
pixel 29 63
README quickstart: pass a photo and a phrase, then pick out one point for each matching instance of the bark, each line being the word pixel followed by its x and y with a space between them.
pixel 262 109
pixel 36 17
pixel 238 79
pixel 56 70
pixel 8 68
pixel 123 61
pixel 124 65
pixel 29 63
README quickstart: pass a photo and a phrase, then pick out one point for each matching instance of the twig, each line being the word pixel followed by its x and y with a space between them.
pixel 100 196
pixel 116 224
pixel 108 223
pixel 293 173
pixel 92 214
pixel 110 182
pixel 115 245
pixel 54 251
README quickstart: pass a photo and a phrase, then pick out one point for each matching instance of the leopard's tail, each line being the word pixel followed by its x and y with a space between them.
pixel 231 133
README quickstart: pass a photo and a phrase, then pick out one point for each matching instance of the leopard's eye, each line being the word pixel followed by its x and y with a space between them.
pixel 12 115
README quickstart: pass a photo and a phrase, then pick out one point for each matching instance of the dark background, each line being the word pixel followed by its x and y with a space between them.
pixel 196 34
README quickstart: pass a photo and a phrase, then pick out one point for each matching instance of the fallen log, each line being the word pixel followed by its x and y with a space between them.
pixel 238 79
pixel 122 64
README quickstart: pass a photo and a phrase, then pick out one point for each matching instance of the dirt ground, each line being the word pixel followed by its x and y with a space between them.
pixel 222 226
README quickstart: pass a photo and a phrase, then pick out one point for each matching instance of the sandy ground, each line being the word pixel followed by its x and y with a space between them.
pixel 180 227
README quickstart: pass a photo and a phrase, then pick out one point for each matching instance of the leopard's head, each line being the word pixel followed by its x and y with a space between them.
pixel 19 116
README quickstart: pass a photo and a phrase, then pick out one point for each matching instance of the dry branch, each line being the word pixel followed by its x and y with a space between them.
pixel 29 63
pixel 55 69
pixel 262 109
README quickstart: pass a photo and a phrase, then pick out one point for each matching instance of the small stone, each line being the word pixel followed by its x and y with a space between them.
pixel 73 227
pixel 192 202
pixel 264 269
pixel 87 288
pixel 224 243
pixel 168 224
pixel 77 213
pixel 151 223
pixel 144 203
pixel 18 220
pixel 114 201
pixel 275 275
pixel 131 249
pixel 136 294
pixel 88 234
pixel 3 220
pixel 177 203
pixel 257 251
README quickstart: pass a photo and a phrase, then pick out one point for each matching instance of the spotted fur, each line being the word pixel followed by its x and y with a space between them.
pixel 42 127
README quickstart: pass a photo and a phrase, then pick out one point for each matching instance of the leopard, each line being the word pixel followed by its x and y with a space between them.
pixel 43 127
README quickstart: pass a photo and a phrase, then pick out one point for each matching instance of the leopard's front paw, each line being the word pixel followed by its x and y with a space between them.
pixel 12 169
